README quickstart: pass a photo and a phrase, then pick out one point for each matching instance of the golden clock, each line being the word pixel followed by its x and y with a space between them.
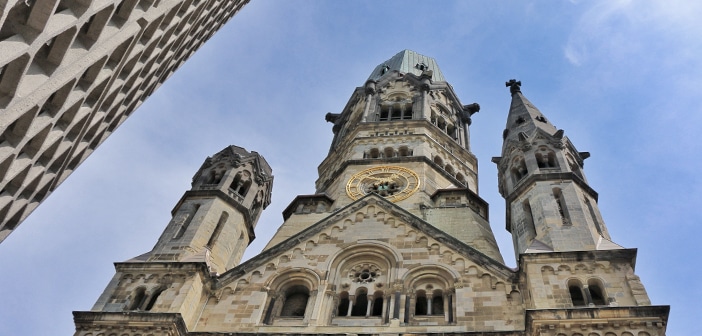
pixel 392 182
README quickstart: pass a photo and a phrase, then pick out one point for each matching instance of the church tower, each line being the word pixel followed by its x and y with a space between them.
pixel 550 205
pixel 395 240
pixel 215 220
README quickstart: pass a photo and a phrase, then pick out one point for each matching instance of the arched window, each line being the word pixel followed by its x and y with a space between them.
pixel 395 111
pixel 236 183
pixel 153 298
pixel 404 151
pixel 545 158
pixel 218 229
pixel 575 289
pixel 441 123
pixel 343 308
pixel 374 153
pixel 295 301
pixel 451 131
pixel 421 303
pixel 360 307
pixel 597 292
pixel 460 178
pixel 519 169
pixel 186 221
pixel 449 169
pixel 377 304
pixel 138 299
pixel 437 302
pixel 244 188
pixel 215 176
pixel 389 152
pixel 439 161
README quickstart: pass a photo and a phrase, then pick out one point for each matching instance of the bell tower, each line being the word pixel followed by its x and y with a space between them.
pixel 405 136
pixel 216 218
pixel 550 205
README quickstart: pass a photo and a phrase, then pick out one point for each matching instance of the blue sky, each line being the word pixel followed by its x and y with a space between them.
pixel 622 78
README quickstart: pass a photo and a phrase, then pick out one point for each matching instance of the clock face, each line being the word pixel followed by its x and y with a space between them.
pixel 392 182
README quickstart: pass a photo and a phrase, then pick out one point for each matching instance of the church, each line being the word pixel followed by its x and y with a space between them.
pixel 395 240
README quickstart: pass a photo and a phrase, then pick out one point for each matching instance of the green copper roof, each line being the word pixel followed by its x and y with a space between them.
pixel 408 61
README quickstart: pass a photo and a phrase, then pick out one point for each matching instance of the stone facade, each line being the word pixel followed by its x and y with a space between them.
pixel 396 239
pixel 71 71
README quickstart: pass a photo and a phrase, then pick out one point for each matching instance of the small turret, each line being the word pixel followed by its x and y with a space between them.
pixel 550 206
pixel 215 219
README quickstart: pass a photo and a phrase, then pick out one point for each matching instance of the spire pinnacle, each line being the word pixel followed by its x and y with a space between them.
pixel 524 117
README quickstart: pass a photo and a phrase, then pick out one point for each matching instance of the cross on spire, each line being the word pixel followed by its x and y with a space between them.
pixel 514 85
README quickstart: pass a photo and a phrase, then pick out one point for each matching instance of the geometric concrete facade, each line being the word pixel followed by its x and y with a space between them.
pixel 396 239
pixel 71 71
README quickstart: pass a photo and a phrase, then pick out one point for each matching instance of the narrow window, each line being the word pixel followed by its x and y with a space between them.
pixel 438 161
pixel 236 184
pixel 596 292
pixel 437 303
pixel 576 293
pixel 218 229
pixel 296 298
pixel 186 221
pixel 420 305
pixel 389 152
pixel 403 151
pixel 138 300
pixel 594 216
pixel 244 188
pixel 343 309
pixel 519 170
pixel 378 304
pixel 529 220
pixel 384 113
pixel 560 202
pixel 153 299
pixel 361 306
pixel 396 112
pixel 461 179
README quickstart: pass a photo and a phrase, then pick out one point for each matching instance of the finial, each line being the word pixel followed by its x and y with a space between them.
pixel 514 85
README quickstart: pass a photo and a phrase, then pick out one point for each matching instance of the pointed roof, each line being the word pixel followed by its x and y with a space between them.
pixel 408 61
pixel 523 116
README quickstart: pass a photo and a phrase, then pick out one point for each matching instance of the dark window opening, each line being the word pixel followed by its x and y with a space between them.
pixel 295 304
pixel 343 309
pixel 437 304
pixel 378 306
pixel 576 295
pixel 138 300
pixel 153 299
pixel 361 306
pixel 420 305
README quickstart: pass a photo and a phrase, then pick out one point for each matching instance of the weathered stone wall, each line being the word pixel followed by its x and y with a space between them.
pixel 404 260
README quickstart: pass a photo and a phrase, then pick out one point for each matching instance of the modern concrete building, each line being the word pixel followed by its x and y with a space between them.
pixel 71 71
pixel 396 240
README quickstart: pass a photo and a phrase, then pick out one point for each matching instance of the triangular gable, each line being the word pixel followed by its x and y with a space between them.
pixel 416 223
